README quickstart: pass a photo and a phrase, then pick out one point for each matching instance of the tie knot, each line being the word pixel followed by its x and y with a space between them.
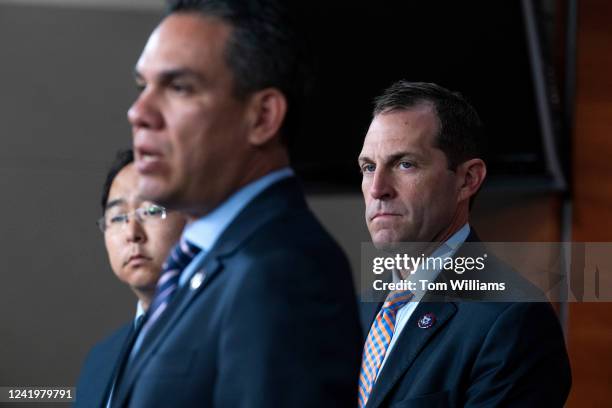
pixel 189 249
pixel 181 255
pixel 397 299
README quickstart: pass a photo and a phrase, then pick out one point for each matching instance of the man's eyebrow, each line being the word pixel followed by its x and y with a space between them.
pixel 171 74
pixel 363 159
pixel 403 155
pixel 114 203
pixel 392 158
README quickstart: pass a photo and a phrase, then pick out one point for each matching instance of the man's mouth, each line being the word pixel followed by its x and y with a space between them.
pixel 148 157
pixel 383 215
pixel 137 259
pixel 147 161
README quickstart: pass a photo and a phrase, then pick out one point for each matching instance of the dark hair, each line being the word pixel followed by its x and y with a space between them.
pixel 122 159
pixel 264 50
pixel 460 135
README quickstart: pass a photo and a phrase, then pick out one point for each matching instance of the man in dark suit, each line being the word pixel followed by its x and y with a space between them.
pixel 257 307
pixel 138 236
pixel 421 164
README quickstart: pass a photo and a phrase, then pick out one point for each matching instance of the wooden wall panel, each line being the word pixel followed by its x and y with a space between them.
pixel 590 324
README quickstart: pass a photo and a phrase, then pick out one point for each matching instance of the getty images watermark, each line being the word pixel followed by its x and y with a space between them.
pixel 489 271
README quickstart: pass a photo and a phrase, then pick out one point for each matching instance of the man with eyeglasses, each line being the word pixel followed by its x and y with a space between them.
pixel 138 236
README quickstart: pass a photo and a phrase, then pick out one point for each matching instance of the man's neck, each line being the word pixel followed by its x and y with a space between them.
pixel 257 171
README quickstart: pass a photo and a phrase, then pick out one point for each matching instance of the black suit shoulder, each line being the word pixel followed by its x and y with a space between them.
pixel 110 341
pixel 291 277
pixel 98 368
pixel 481 350
pixel 273 324
pixel 525 344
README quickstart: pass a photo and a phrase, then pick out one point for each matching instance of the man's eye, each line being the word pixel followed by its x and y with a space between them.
pixel 153 211
pixel 368 168
pixel 406 165
pixel 181 88
pixel 118 219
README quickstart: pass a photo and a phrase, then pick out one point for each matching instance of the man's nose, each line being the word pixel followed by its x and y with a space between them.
pixel 134 230
pixel 382 187
pixel 144 112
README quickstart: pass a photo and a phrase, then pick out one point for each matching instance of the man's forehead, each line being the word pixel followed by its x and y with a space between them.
pixel 127 201
pixel 406 122
pixel 183 38
pixel 124 188
pixel 414 129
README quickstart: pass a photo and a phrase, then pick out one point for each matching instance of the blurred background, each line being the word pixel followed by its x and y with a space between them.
pixel 538 71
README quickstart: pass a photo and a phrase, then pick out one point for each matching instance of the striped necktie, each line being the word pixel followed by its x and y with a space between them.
pixel 180 256
pixel 378 341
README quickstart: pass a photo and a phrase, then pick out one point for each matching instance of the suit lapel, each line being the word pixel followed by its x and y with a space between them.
pixel 208 269
pixel 116 354
pixel 409 345
pixel 369 308
pixel 163 326
pixel 368 311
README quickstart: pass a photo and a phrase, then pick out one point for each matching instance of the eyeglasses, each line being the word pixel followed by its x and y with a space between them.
pixel 116 222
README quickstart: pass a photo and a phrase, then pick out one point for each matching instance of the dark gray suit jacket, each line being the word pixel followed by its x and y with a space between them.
pixel 477 353
pixel 99 368
pixel 273 324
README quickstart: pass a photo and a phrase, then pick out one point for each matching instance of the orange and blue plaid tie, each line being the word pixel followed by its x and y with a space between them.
pixel 377 342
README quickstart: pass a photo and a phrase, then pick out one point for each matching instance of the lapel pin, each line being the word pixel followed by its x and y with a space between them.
pixel 196 280
pixel 426 321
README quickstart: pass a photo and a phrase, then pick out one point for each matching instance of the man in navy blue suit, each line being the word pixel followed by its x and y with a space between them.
pixel 138 236
pixel 421 164
pixel 257 306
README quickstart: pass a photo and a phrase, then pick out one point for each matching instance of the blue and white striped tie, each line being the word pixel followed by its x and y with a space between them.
pixel 180 256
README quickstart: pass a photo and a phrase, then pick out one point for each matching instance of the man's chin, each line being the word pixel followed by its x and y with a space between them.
pixel 144 283
pixel 390 241
pixel 386 246
pixel 384 240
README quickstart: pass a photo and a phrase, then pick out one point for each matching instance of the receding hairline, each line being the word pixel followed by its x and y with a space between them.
pixel 423 104
pixel 417 105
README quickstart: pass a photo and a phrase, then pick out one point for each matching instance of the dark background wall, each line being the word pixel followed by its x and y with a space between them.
pixel 65 86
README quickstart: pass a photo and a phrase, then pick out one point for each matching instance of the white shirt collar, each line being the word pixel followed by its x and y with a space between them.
pixel 205 231
pixel 446 250
pixel 139 312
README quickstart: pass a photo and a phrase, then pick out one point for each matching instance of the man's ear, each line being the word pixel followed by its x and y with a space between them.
pixel 471 174
pixel 268 108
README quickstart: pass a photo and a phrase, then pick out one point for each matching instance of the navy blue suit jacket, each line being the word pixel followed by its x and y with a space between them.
pixel 98 371
pixel 476 354
pixel 274 322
